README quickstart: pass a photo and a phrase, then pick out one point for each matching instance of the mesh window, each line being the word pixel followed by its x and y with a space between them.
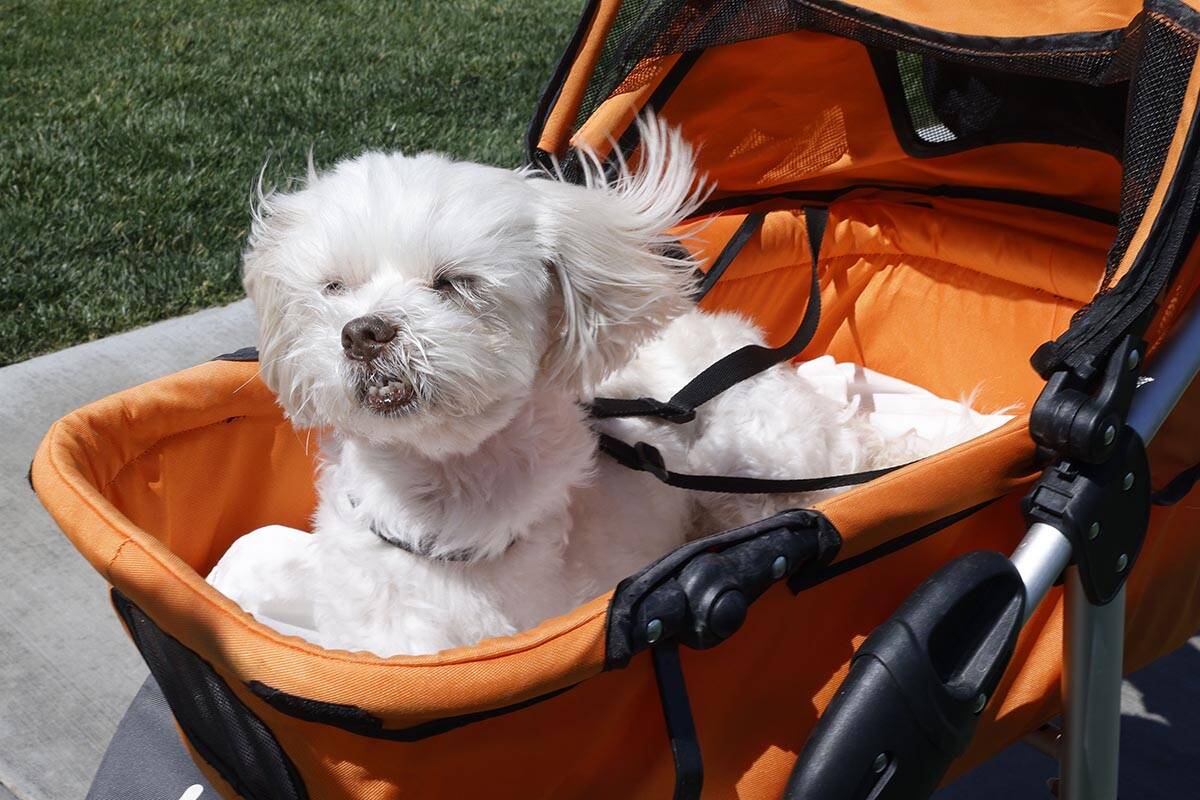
pixel 220 727
pixel 926 124
pixel 939 106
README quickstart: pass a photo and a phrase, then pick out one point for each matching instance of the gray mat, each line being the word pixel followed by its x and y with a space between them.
pixel 146 760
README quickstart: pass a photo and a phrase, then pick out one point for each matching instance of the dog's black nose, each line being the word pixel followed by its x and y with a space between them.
pixel 363 338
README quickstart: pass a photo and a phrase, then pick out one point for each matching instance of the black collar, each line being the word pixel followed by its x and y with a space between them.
pixel 424 548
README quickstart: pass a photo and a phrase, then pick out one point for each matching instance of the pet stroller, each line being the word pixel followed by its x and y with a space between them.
pixel 1001 186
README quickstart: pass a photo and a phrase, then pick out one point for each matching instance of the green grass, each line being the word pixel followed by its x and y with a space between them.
pixel 131 132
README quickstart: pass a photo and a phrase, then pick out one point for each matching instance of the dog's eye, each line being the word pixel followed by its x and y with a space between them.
pixel 334 287
pixel 463 284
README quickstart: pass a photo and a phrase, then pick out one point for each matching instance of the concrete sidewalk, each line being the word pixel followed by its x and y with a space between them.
pixel 1160 742
pixel 68 672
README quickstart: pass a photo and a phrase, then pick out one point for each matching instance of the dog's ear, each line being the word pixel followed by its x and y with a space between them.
pixel 264 276
pixel 620 276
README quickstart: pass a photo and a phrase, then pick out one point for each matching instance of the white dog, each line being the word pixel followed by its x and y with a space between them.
pixel 444 323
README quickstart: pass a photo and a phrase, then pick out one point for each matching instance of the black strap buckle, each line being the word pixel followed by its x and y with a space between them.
pixel 650 460
pixel 615 407
pixel 672 411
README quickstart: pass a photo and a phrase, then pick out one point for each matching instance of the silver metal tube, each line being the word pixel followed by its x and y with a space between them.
pixel 1040 558
pixel 1170 373
pixel 1094 636
pixel 1093 652
pixel 1093 649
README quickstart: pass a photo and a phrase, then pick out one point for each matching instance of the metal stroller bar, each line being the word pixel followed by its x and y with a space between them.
pixel 1093 642
pixel 1170 374
pixel 1040 559
pixel 1093 636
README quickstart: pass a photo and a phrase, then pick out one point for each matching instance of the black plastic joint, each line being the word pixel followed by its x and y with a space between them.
pixel 700 594
pixel 712 585
pixel 707 599
pixel 1104 509
pixel 1079 420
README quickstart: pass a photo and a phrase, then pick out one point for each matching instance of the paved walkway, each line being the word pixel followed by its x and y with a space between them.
pixel 67 671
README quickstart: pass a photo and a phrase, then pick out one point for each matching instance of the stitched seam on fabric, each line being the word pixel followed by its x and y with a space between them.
pixel 725 281
pixel 170 436
pixel 116 554
pixel 949 48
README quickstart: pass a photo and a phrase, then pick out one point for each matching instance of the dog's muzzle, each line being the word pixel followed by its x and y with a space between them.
pixel 386 394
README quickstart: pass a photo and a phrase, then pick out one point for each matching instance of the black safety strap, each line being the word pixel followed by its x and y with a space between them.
pixel 677 711
pixel 750 225
pixel 1178 488
pixel 730 370
pixel 646 458
pixel 738 365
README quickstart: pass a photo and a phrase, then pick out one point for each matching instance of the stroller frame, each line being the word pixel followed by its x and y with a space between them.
pixel 1087 748
pixel 1094 637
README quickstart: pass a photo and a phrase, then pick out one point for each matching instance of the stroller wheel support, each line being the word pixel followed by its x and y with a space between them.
pixel 897 720
pixel 1099 505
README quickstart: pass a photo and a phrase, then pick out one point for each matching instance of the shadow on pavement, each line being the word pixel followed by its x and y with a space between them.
pixel 1160 742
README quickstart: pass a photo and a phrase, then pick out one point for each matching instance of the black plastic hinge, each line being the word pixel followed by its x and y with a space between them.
pixel 1104 509
pixel 699 594
pixel 1080 419
pixel 707 599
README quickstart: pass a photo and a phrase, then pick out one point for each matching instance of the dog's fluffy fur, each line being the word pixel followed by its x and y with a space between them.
pixel 514 297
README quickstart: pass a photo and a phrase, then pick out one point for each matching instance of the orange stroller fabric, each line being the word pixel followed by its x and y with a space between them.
pixel 946 264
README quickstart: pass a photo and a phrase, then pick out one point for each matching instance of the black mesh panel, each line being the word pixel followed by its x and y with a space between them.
pixel 939 107
pixel 645 30
pixel 226 734
pixel 1156 97
pixel 915 81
